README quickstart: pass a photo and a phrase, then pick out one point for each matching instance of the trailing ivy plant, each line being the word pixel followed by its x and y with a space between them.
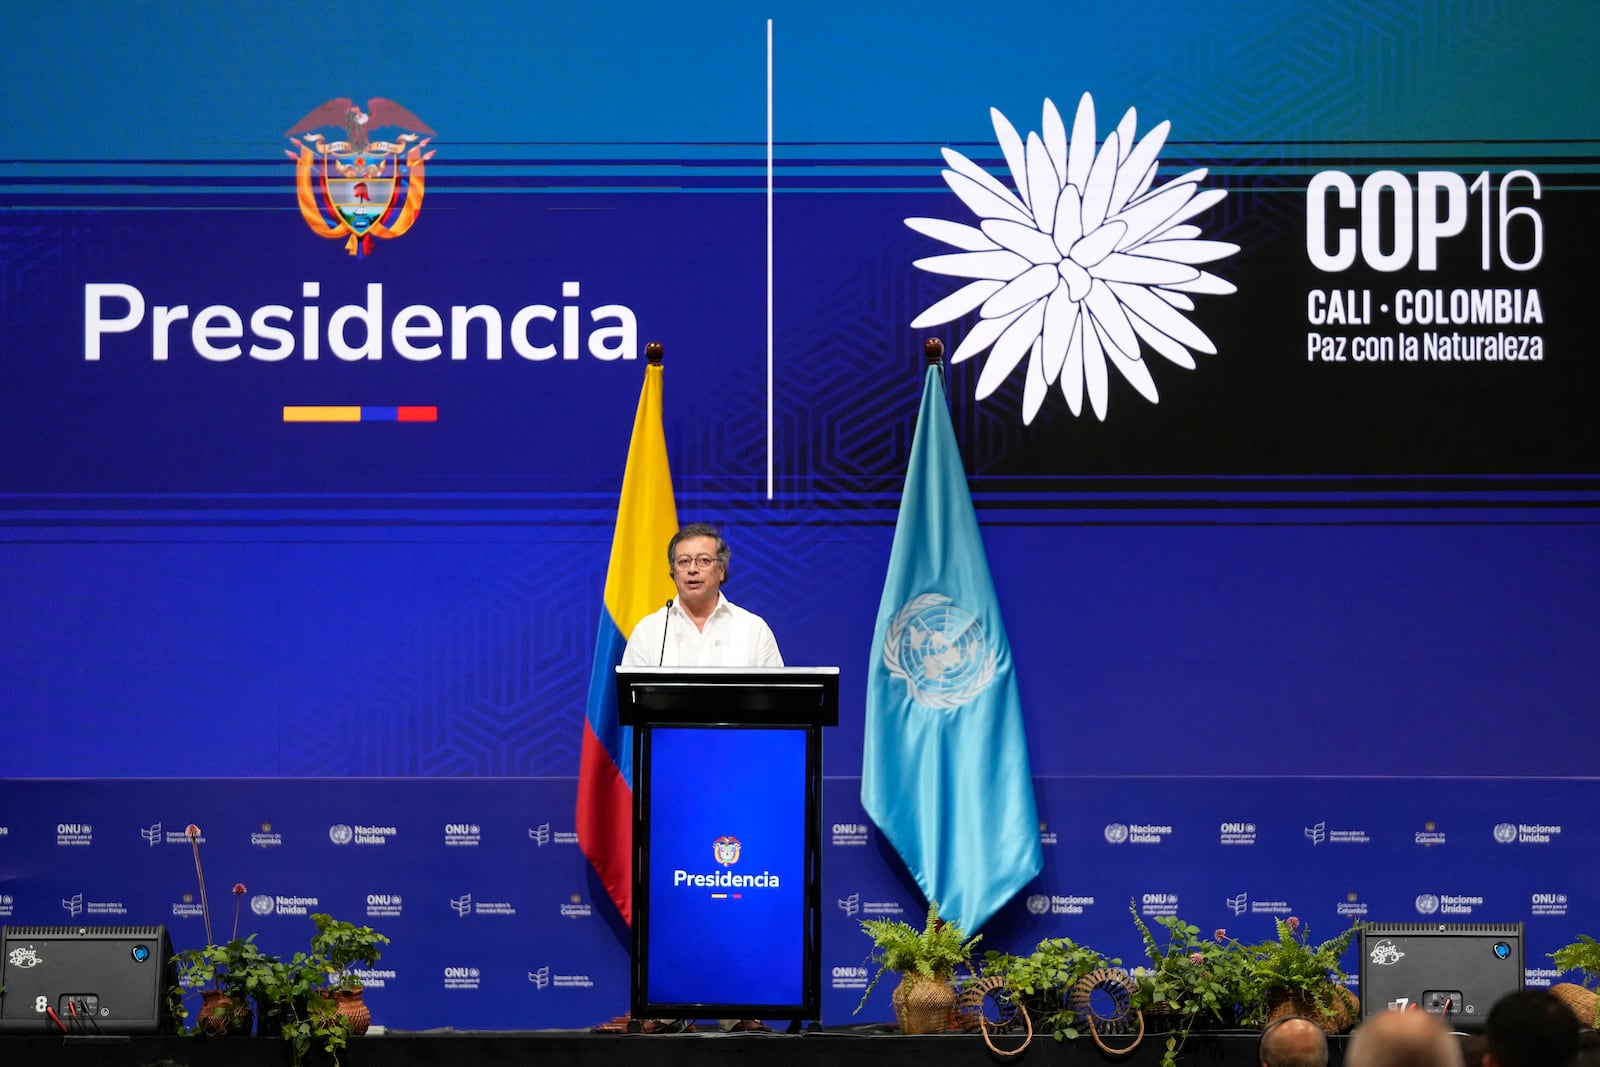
pixel 1192 977
pixel 1041 980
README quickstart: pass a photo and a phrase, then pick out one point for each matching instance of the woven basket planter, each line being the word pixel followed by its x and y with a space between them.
pixel 223 1016
pixel 922 1005
pixel 1582 1001
pixel 1296 1002
pixel 353 1009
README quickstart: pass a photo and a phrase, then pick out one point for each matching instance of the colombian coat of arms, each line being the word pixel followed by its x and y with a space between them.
pixel 353 184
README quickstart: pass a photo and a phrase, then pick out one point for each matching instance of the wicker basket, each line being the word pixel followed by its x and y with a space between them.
pixel 1296 1002
pixel 349 1004
pixel 1582 1001
pixel 922 1005
pixel 222 1015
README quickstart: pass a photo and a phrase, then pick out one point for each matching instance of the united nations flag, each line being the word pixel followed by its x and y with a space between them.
pixel 945 770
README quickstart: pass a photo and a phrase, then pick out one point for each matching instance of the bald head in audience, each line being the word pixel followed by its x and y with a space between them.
pixel 1294 1042
pixel 1403 1039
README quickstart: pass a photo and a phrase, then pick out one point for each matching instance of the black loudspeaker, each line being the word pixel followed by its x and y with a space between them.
pixel 84 979
pixel 1456 970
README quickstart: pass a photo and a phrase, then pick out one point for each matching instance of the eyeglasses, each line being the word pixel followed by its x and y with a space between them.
pixel 682 562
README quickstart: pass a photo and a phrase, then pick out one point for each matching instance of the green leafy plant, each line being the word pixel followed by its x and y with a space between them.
pixel 294 998
pixel 216 972
pixel 935 951
pixel 297 996
pixel 1041 980
pixel 1292 963
pixel 1581 955
pixel 293 1003
pixel 225 969
pixel 1192 977
pixel 340 946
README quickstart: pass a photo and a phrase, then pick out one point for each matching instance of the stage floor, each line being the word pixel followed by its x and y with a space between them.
pixel 857 1047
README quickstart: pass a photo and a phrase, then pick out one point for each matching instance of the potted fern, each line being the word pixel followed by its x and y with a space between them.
pixel 926 961
pixel 1581 955
pixel 1295 977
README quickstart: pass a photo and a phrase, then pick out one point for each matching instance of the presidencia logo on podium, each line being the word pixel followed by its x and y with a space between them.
pixel 369 187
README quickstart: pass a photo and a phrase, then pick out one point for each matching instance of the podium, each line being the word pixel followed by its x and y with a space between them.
pixel 727 839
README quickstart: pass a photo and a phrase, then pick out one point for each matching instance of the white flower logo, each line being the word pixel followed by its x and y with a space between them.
pixel 1077 265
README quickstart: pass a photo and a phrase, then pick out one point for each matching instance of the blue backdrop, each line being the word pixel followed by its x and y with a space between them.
pixel 1349 604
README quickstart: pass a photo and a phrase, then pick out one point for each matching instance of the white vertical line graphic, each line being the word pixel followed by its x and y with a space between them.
pixel 769 259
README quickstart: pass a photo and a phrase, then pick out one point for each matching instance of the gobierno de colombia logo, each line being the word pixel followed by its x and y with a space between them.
pixel 369 187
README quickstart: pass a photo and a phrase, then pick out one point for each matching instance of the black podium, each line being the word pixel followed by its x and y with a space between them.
pixel 727 839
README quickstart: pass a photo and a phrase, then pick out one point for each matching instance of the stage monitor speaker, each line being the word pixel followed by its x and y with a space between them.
pixel 1456 970
pixel 84 979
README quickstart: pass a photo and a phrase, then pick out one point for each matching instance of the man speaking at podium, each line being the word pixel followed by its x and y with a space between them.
pixel 700 627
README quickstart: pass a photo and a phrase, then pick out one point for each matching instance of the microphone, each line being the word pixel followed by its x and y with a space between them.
pixel 665 622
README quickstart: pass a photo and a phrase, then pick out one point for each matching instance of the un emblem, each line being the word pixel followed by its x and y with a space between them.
pixel 939 651
pixel 359 177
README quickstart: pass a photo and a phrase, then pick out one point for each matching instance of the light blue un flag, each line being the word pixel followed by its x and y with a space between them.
pixel 945 770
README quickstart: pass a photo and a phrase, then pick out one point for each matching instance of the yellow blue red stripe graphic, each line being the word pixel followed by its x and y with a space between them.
pixel 359 413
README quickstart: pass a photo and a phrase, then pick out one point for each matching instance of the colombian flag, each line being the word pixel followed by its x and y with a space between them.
pixel 638 582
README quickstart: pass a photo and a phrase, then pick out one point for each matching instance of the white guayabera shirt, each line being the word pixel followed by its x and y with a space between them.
pixel 733 637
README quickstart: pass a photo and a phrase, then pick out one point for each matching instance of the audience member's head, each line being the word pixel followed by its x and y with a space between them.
pixel 1403 1039
pixel 1472 1046
pixel 1293 1041
pixel 1530 1028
